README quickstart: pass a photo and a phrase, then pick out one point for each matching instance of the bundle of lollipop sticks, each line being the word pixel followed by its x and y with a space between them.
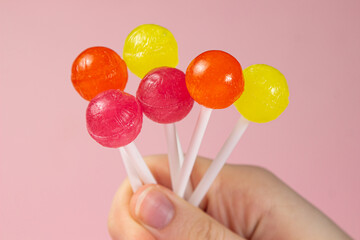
pixel 214 79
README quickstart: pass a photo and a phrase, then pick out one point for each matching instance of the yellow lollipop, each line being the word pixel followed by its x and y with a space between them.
pixel 265 96
pixel 150 46
pixel 147 47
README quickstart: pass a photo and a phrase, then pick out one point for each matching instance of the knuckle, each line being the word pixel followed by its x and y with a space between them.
pixel 206 229
pixel 263 172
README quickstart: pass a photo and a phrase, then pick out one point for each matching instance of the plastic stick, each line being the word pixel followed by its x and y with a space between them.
pixel 189 188
pixel 194 146
pixel 139 164
pixel 219 161
pixel 134 179
pixel 173 152
pixel 180 151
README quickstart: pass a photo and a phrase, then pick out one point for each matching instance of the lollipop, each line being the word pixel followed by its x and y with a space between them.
pixel 114 120
pixel 214 80
pixel 266 94
pixel 163 95
pixel 147 47
pixel 265 97
pixel 98 69
pixel 150 46
pixel 164 98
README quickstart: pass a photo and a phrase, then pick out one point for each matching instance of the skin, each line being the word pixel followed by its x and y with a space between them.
pixel 244 202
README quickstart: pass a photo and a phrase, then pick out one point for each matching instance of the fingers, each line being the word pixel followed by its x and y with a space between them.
pixel 261 206
pixel 225 192
pixel 248 200
pixel 159 167
pixel 167 216
pixel 123 225
pixel 120 223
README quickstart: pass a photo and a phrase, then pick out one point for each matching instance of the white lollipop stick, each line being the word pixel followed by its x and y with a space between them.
pixel 173 152
pixel 180 151
pixel 189 188
pixel 194 146
pixel 219 161
pixel 134 179
pixel 139 164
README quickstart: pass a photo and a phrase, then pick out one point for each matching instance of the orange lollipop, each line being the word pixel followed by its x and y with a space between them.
pixel 214 79
pixel 98 69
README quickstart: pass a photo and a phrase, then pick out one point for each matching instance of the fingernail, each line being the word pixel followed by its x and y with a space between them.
pixel 153 208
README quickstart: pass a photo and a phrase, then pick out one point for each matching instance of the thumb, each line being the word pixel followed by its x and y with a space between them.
pixel 167 216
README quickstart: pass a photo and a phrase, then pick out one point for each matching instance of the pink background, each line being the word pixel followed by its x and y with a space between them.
pixel 57 183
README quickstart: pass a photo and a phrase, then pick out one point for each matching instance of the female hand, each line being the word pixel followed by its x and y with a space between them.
pixel 244 202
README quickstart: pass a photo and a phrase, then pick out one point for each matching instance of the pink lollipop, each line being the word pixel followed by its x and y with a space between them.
pixel 114 119
pixel 163 95
pixel 164 98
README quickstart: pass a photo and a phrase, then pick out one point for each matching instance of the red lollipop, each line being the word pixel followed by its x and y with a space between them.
pixel 164 98
pixel 163 95
pixel 114 119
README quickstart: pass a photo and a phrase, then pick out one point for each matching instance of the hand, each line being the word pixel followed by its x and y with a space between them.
pixel 244 202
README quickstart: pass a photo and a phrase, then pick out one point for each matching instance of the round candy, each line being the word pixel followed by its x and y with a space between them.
pixel 214 79
pixel 98 69
pixel 163 95
pixel 150 46
pixel 114 118
pixel 266 94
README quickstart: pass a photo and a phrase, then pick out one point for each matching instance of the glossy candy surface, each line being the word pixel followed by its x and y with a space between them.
pixel 114 118
pixel 98 69
pixel 163 95
pixel 214 79
pixel 150 46
pixel 266 94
